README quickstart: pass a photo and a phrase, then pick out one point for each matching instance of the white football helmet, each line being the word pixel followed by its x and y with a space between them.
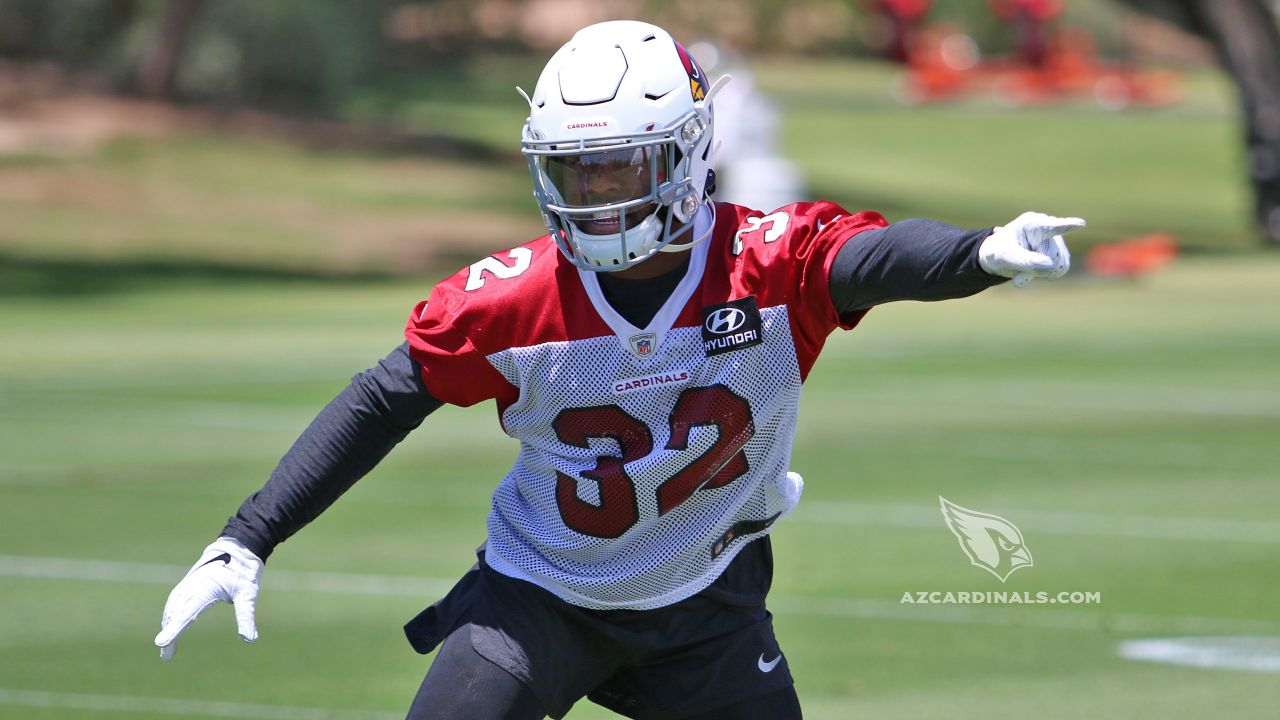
pixel 619 142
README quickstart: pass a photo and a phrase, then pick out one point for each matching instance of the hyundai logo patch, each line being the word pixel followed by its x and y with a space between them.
pixel 725 321
pixel 731 326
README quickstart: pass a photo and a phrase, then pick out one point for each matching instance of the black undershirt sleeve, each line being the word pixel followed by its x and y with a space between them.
pixel 908 260
pixel 343 443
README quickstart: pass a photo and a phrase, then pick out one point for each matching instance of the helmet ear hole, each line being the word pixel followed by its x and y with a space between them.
pixel 711 182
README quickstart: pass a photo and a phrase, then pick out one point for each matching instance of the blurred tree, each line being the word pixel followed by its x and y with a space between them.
pixel 76 33
pixel 160 64
pixel 1246 36
pixel 292 55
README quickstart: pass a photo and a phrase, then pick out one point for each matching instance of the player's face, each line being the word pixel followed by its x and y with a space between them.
pixel 605 178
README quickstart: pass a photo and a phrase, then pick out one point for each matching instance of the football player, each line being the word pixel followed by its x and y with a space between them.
pixel 648 354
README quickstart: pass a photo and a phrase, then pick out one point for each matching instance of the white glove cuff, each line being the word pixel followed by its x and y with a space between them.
pixel 235 548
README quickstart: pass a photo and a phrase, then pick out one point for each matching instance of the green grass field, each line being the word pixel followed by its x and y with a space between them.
pixel 1127 428
pixel 162 344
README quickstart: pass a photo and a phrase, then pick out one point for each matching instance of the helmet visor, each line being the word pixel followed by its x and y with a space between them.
pixel 607 185
pixel 591 179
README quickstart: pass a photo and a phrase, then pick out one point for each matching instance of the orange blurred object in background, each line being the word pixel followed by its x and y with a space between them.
pixel 1131 258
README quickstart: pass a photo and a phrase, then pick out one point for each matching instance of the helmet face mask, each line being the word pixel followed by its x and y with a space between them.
pixel 618 143
pixel 607 203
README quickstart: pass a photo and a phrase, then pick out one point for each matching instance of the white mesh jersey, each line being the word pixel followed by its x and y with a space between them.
pixel 648 456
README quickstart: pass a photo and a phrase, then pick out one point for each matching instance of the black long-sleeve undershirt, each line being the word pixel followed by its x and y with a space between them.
pixel 344 442
pixel 909 260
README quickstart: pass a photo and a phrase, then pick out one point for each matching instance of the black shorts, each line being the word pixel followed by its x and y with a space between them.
pixel 696 655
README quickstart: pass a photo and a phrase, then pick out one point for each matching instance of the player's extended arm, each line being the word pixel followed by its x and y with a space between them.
pixel 343 443
pixel 928 260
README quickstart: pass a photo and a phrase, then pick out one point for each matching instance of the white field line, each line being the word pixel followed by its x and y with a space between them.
pixel 1053 523
pixel 166 412
pixel 134 704
pixel 1235 405
pixel 427 589
pixel 198 378
pixel 1261 401
pixel 1100 395
pixel 51 568
pixel 1004 616
pixel 1255 654
pixel 1200 456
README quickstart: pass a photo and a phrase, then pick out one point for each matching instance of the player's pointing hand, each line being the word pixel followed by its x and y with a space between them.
pixel 227 571
pixel 1029 247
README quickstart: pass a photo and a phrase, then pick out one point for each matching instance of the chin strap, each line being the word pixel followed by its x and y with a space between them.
pixel 703 225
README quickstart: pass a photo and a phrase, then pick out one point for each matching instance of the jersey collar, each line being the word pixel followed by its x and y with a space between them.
pixel 630 336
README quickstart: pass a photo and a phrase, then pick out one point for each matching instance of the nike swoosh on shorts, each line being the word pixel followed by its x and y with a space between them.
pixel 770 665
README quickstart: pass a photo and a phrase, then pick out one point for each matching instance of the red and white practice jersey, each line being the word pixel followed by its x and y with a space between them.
pixel 648 456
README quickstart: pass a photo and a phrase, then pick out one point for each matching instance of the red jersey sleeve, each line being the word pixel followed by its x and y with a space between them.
pixel 441 332
pixel 785 257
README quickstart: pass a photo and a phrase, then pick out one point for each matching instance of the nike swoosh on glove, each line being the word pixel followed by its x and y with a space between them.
pixel 227 571
pixel 1029 247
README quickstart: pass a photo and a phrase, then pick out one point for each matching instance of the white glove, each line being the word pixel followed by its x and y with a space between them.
pixel 1029 247
pixel 227 571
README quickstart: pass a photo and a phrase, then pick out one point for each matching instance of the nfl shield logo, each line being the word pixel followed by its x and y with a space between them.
pixel 642 344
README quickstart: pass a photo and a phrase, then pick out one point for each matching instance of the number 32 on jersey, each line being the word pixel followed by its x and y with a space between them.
pixel 618 510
